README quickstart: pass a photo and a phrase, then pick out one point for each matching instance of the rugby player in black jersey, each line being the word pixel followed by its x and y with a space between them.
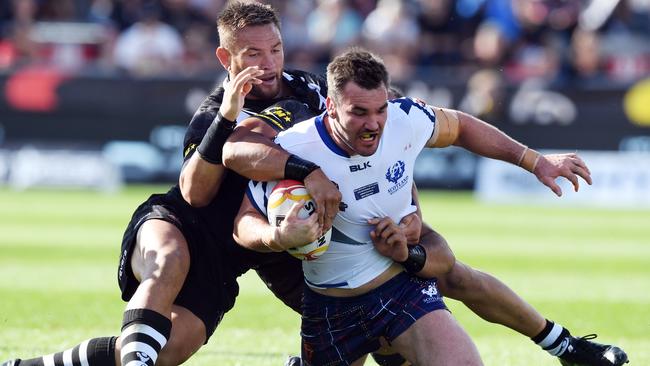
pixel 178 263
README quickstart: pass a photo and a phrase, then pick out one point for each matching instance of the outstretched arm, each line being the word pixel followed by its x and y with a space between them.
pixel 461 129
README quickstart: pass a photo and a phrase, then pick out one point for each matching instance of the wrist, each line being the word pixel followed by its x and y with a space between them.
pixel 272 240
pixel 528 159
pixel 417 257
pixel 228 116
pixel 211 146
pixel 297 168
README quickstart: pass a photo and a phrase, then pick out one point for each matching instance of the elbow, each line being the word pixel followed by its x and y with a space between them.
pixel 447 262
pixel 228 155
pixel 191 196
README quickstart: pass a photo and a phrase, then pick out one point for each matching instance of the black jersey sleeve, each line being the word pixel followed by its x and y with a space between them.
pixel 200 122
pixel 308 88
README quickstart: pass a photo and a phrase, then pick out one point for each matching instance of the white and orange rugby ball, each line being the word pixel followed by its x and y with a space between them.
pixel 283 196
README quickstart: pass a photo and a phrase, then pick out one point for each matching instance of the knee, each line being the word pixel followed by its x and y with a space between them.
pixel 161 253
pixel 458 279
pixel 175 259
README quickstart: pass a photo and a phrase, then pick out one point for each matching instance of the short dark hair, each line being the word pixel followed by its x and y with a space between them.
pixel 358 65
pixel 237 15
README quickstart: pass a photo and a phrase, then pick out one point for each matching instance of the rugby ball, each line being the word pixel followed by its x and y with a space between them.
pixel 283 196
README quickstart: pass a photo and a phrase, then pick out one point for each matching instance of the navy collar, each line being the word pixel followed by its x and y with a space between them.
pixel 327 139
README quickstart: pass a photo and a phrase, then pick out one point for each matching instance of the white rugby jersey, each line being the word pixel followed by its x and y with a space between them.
pixel 372 186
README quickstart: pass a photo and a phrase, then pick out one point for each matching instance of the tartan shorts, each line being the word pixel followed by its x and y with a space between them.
pixel 340 330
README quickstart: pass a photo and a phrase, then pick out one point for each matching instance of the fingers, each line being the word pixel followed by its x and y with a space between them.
pixel 406 221
pixel 332 210
pixel 381 226
pixel 326 195
pixel 295 209
pixel 581 164
pixel 550 183
pixel 320 213
pixel 236 90
pixel 573 179
pixel 387 231
pixel 243 82
pixel 583 172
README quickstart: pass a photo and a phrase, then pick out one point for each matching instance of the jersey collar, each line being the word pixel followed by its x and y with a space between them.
pixel 327 139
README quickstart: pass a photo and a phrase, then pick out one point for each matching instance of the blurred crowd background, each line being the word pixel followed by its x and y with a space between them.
pixel 96 91
pixel 560 41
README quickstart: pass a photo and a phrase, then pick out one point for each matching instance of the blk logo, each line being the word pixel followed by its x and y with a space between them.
pixel 359 167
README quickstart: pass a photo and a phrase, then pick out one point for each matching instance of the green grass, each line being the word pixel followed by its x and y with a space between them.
pixel 589 269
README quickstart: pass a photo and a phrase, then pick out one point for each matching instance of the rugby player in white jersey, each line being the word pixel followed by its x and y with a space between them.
pixel 346 283
pixel 355 295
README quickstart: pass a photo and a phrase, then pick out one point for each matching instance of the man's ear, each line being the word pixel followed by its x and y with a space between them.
pixel 224 57
pixel 331 108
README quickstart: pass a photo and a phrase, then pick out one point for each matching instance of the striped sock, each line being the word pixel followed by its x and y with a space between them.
pixel 144 334
pixel 554 339
pixel 93 352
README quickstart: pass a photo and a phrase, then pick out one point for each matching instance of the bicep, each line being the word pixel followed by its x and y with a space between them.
pixel 447 128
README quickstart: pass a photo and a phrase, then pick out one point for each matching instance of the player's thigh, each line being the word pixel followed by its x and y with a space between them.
pixel 187 336
pixel 437 339
pixel 161 252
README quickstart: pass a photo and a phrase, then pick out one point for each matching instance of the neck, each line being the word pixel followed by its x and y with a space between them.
pixel 338 137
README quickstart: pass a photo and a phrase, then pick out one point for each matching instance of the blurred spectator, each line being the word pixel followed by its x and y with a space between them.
pixel 445 34
pixel 16 45
pixel 589 41
pixel 299 50
pixel 149 47
pixel 181 15
pixel 333 25
pixel 199 50
pixel 392 31
pixel 57 10
pixel 485 96
pixel 585 63
pixel 625 44
pixel 490 45
pixel 17 48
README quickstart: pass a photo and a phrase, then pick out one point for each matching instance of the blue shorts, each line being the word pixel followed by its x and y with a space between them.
pixel 340 330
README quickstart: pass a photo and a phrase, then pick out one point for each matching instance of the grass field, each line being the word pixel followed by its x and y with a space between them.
pixel 588 269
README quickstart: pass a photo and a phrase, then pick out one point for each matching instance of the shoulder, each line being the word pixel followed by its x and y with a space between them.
pixel 410 109
pixel 210 104
pixel 307 87
pixel 305 77
pixel 303 133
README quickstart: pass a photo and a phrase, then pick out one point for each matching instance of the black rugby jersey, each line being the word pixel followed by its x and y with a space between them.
pixel 220 213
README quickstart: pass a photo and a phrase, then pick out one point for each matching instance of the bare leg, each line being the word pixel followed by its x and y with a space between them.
pixel 187 336
pixel 437 339
pixel 160 262
pixel 491 299
pixel 481 292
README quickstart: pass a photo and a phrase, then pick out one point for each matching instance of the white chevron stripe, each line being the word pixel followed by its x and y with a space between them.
pixel 83 353
pixel 143 328
pixel 48 360
pixel 67 357
pixel 551 337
